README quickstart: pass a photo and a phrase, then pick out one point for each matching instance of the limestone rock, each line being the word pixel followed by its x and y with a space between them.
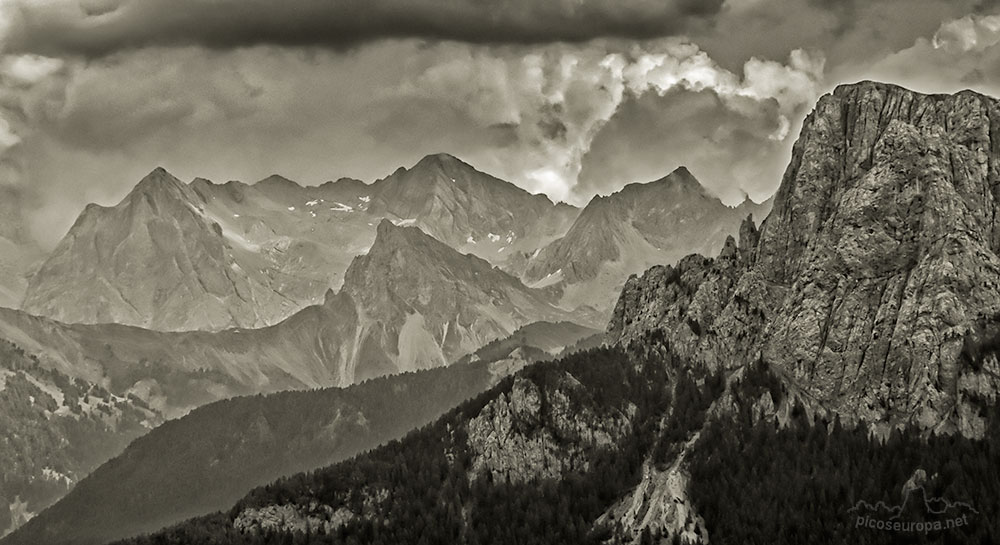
pixel 878 261
pixel 518 436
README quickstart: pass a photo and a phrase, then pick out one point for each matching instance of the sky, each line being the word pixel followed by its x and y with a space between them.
pixel 571 98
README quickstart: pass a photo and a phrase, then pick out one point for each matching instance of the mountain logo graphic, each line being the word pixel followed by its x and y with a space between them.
pixel 917 511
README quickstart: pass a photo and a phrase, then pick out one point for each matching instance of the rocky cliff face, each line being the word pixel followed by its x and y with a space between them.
pixel 624 233
pixel 873 275
pixel 541 433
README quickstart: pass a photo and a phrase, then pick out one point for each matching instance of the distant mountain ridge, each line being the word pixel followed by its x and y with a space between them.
pixel 410 303
pixel 173 256
pixel 641 225
pixel 158 260
pixel 468 209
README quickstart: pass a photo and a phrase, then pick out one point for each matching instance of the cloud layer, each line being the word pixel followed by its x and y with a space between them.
pixel 99 27
pixel 571 97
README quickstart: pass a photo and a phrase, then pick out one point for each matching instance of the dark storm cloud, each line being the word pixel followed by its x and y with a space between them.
pixel 847 31
pixel 99 27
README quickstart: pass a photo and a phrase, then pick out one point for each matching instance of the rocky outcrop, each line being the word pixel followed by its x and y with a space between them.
pixel 877 263
pixel 533 432
pixel 692 302
pixel 660 504
pixel 291 519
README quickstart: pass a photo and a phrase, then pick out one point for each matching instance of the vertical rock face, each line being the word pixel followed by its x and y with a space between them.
pixel 877 264
pixel 537 433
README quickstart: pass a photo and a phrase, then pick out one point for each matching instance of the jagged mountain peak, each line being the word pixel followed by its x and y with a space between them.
pixel 159 193
pixel 394 240
pixel 441 160
pixel 437 168
pixel 627 231
pixel 424 301
pixel 680 181
pixel 387 233
pixel 158 182
pixel 466 208
pixel 444 172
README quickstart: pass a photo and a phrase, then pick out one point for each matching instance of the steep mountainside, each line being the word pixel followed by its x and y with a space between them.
pixel 164 477
pixel 366 330
pixel 620 445
pixel 18 258
pixel 56 430
pixel 423 304
pixel 569 418
pixel 642 225
pixel 204 256
pixel 876 275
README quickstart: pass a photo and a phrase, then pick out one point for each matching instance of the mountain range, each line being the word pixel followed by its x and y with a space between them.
pixel 201 256
pixel 174 256
pixel 410 303
pixel 856 323
pixel 443 305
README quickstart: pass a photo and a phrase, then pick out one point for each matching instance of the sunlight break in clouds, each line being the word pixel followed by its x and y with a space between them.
pixel 555 101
